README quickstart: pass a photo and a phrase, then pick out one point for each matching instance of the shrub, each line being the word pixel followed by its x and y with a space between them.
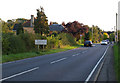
pixel 5 43
pixel 17 45
pixel 67 39
pixel 29 40
pixel 12 44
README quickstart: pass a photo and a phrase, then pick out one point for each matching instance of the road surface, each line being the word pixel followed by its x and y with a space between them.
pixel 72 65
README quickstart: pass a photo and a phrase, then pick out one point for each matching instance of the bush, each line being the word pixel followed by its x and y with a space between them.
pixel 52 42
pixel 12 44
pixel 29 40
pixel 17 45
pixel 26 42
pixel 5 43
pixel 67 39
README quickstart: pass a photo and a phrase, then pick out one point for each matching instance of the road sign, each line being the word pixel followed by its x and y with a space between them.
pixel 40 42
pixel 80 35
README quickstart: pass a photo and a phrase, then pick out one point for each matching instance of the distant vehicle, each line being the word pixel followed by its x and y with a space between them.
pixel 104 42
pixel 107 41
pixel 88 43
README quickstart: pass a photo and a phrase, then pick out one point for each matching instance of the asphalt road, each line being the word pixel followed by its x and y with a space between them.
pixel 73 65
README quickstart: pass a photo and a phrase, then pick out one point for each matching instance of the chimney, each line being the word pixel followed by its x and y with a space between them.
pixel 32 21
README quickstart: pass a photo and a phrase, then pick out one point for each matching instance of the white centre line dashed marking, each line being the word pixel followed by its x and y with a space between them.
pixel 57 60
pixel 19 74
pixel 76 54
pixel 84 51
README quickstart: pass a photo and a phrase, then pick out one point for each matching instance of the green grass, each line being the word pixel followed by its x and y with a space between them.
pixel 13 57
pixel 117 62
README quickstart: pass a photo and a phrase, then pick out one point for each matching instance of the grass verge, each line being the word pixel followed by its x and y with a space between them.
pixel 117 62
pixel 14 57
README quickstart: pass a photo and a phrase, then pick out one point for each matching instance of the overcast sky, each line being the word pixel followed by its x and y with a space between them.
pixel 89 12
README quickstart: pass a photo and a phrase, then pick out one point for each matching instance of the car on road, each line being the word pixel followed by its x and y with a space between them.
pixel 88 43
pixel 104 42
pixel 107 41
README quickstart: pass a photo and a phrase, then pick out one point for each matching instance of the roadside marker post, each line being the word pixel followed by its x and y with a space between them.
pixel 80 39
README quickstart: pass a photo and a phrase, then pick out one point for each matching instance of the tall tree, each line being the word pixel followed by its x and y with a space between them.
pixel 41 23
pixel 96 34
pixel 5 28
pixel 105 36
pixel 20 29
pixel 76 29
pixel 88 36
pixel 112 37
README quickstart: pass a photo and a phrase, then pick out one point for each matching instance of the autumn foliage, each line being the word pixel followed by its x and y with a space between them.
pixel 76 28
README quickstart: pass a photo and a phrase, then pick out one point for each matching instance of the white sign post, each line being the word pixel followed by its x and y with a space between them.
pixel 80 38
pixel 40 42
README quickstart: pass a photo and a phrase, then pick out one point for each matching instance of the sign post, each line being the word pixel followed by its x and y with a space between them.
pixel 40 42
pixel 80 38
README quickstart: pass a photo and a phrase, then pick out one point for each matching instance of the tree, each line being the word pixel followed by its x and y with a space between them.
pixel 105 36
pixel 76 29
pixel 88 36
pixel 5 28
pixel 112 37
pixel 63 23
pixel 41 23
pixel 20 29
pixel 97 34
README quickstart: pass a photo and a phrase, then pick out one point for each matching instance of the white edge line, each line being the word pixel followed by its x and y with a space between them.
pixel 57 60
pixel 95 66
pixel 19 74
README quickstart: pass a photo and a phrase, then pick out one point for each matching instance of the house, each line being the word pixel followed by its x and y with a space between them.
pixel 56 27
pixel 29 25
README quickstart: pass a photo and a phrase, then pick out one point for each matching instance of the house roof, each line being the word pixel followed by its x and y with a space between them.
pixel 27 24
pixel 56 27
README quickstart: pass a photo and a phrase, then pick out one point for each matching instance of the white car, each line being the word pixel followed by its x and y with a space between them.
pixel 104 42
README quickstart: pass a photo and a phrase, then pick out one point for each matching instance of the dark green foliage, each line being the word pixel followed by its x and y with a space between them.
pixel 29 40
pixel 88 36
pixel 12 44
pixel 17 45
pixel 5 43
pixel 20 29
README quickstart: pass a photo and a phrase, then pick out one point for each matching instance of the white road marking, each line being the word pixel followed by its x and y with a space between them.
pixel 76 54
pixel 19 74
pixel 95 66
pixel 84 51
pixel 57 60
